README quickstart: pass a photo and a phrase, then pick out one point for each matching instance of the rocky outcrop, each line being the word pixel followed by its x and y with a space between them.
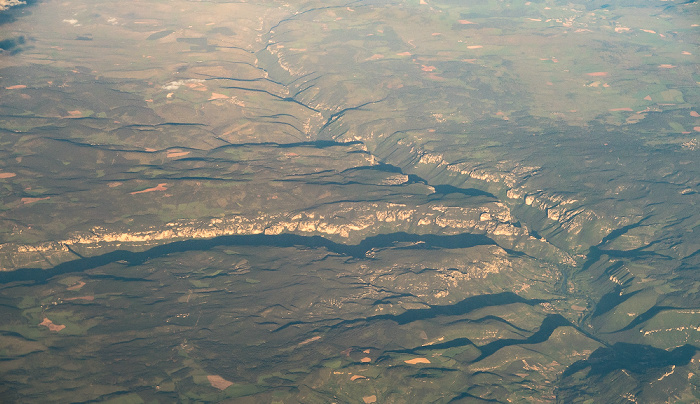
pixel 345 222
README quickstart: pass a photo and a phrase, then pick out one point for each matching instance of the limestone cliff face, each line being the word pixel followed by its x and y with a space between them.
pixel 345 222
pixel 5 4
pixel 574 220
